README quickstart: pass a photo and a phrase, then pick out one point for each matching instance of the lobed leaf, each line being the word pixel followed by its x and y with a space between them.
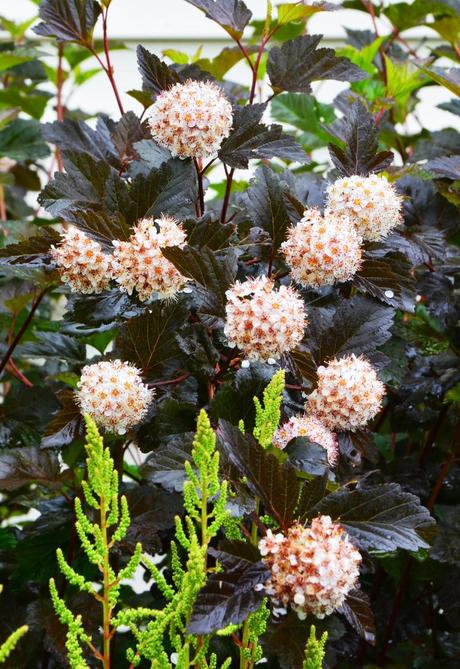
pixel 360 135
pixel 228 596
pixel 381 517
pixel 298 62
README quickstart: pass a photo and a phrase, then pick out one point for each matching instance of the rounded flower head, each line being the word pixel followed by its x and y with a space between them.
pixel 312 568
pixel 81 262
pixel 322 250
pixel 311 428
pixel 139 263
pixel 262 321
pixel 348 395
pixel 6 164
pixel 371 203
pixel 191 119
pixel 113 394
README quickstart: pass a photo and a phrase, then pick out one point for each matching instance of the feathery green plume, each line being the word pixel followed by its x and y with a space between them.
pixel 315 650
pixel 268 416
pixel 100 492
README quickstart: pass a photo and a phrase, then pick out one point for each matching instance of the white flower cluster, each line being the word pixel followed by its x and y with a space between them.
pixel 348 395
pixel 139 263
pixel 113 394
pixel 262 321
pixel 6 164
pixel 371 203
pixel 312 568
pixel 81 262
pixel 311 428
pixel 191 119
pixel 322 250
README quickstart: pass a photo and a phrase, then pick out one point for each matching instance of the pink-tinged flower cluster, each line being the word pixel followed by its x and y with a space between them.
pixel 191 119
pixel 371 203
pixel 322 250
pixel 81 262
pixel 312 568
pixel 348 395
pixel 139 263
pixel 113 394
pixel 262 321
pixel 311 428
pixel 6 164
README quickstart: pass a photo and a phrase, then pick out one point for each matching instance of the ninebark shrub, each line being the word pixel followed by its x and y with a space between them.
pixel 250 298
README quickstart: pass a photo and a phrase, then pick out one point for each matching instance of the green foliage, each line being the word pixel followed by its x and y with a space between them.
pixel 101 493
pixel 268 414
pixel 204 503
pixel 205 500
pixel 314 650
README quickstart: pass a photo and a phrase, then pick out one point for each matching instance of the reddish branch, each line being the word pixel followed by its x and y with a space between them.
pixel 255 72
pixel 107 66
pixel 60 106
pixel 21 330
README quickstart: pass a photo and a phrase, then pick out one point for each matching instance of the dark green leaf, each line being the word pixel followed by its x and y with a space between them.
pixel 21 140
pixel 228 596
pixel 306 114
pixel 298 62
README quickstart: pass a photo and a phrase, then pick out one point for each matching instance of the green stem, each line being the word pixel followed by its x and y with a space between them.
pixel 106 602
pixel 244 662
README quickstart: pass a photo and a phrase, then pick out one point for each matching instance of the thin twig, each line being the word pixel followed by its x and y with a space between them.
pixel 107 67
pixel 21 330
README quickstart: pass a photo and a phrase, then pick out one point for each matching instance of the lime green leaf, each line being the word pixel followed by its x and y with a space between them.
pixel 178 57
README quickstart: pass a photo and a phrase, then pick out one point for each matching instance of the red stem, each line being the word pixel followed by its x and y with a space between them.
pixel 108 67
pixel 21 331
pixel 199 176
pixel 2 205
pixel 228 191
pixel 60 107
pixel 11 367
pixel 170 381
